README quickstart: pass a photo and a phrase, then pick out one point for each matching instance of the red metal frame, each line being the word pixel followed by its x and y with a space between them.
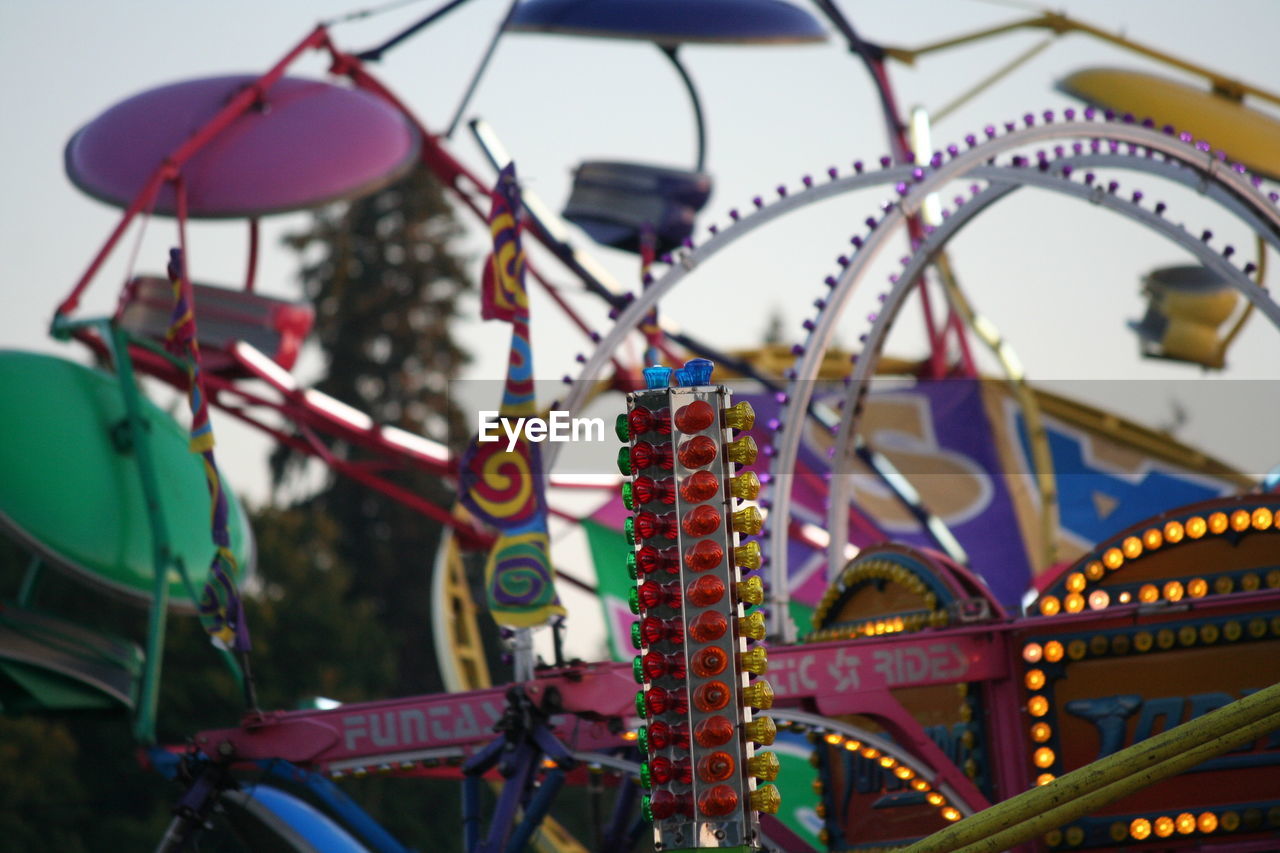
pixel 431 735
pixel 224 390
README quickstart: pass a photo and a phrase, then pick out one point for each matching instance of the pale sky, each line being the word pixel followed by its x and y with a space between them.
pixel 1057 277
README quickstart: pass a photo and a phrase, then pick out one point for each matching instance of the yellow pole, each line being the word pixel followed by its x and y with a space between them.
pixel 1080 792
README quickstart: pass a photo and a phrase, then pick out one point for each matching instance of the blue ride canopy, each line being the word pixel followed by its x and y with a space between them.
pixel 671 22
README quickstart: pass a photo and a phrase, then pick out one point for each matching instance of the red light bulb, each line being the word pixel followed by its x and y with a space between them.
pixel 660 701
pixel 705 555
pixel 717 802
pixel 649 525
pixel 696 452
pixel 703 592
pixel 701 486
pixel 663 804
pixel 711 732
pixel 650 559
pixel 708 627
pixel 711 696
pixel 660 770
pixel 682 770
pixel 695 417
pixel 641 420
pixel 655 630
pixel 647 489
pixel 663 735
pixel 645 455
pixel 653 594
pixel 701 520
pixel 710 661
pixel 716 767
pixel 659 735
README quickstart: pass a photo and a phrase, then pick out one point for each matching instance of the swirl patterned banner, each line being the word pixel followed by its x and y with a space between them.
pixel 502 291
pixel 506 488
pixel 519 580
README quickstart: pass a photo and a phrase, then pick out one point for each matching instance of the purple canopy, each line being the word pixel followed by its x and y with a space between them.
pixel 306 144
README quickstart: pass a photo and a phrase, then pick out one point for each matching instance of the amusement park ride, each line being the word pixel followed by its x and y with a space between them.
pixel 1069 641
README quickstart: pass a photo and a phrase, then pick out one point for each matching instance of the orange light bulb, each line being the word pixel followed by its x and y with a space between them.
pixel 695 417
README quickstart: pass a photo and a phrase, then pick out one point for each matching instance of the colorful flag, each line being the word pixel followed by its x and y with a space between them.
pixel 220 603
pixel 502 293
pixel 507 488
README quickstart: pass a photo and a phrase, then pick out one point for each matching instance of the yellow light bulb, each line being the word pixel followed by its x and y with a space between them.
pixel 748 521
pixel 950 813
pixel 934 798
pixel 1073 603
pixel 1186 823
pixel 1152 539
pixel 764 765
pixel 751 591
pixel 1040 732
pixel 1113 559
pixel 745 486
pixel 1094 570
pixel 1173 591
pixel 1240 520
pixel 1196 527
pixel 742 450
pixel 1035 679
pixel 766 799
pixel 1208 822
pixel 759 695
pixel 740 416
pixel 1262 518
pixel 834 739
pixel 1148 593
pixel 1197 587
pixel 1075 582
pixel 1140 828
pixel 1032 652
pixel 747 556
pixel 761 730
pixel 1099 599
pixel 1049 605
pixel 1044 758
pixel 1038 706
pixel 1173 532
pixel 755 661
pixel 1218 522
pixel 1131 547
pixel 1164 826
pixel 1053 651
pixel 752 627
pixel 1045 778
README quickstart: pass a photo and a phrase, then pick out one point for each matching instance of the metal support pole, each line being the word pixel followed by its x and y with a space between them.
pixel 1089 788
pixel 161 557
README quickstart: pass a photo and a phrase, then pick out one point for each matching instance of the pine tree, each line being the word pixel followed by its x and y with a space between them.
pixel 386 283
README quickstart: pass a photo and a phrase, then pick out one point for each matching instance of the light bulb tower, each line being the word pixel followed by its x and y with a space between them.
pixel 699 651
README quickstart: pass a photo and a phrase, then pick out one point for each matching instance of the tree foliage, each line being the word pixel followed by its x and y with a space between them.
pixel 341 603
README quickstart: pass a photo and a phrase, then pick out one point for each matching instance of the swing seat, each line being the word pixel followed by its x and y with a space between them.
pixel 273 326
pixel 70 489
pixel 48 664
pixel 613 202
